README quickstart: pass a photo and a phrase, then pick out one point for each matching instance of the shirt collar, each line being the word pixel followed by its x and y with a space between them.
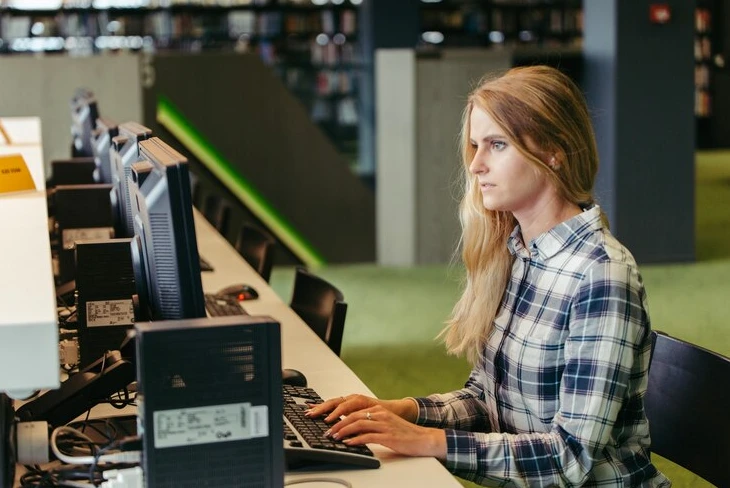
pixel 549 243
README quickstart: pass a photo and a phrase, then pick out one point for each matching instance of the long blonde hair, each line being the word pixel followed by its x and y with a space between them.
pixel 544 115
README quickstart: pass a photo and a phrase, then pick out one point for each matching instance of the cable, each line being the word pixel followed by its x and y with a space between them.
pixel 35 477
pixel 337 481
pixel 131 457
pixel 109 433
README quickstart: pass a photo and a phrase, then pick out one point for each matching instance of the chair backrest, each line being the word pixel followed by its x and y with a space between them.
pixel 218 212
pixel 688 406
pixel 196 191
pixel 256 246
pixel 321 305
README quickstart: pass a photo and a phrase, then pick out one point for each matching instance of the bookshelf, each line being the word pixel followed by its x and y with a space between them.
pixel 312 45
pixel 712 76
pixel 489 23
pixel 703 61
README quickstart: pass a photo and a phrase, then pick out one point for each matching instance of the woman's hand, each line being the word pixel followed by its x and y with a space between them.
pixel 378 425
pixel 336 407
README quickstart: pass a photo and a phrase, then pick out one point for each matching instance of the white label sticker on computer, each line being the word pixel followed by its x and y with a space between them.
pixel 211 424
pixel 259 421
pixel 70 236
pixel 103 313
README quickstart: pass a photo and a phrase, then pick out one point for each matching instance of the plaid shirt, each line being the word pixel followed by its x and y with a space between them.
pixel 557 399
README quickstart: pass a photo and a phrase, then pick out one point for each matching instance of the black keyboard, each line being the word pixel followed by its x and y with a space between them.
pixel 222 306
pixel 304 441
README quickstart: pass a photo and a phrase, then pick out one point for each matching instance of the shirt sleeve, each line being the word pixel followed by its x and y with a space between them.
pixel 609 330
pixel 462 409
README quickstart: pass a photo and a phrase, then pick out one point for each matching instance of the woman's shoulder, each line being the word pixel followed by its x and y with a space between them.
pixel 600 255
pixel 612 250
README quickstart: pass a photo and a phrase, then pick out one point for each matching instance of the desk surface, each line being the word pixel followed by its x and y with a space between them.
pixel 325 371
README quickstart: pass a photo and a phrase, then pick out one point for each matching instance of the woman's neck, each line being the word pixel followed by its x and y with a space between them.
pixel 541 219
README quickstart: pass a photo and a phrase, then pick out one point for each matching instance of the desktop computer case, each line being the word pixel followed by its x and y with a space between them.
pixel 7 441
pixel 210 402
pixel 105 285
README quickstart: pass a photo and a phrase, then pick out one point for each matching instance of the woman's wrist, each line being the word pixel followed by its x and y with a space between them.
pixel 406 408
pixel 438 444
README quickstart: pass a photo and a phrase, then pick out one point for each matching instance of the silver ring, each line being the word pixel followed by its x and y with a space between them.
pixel 368 416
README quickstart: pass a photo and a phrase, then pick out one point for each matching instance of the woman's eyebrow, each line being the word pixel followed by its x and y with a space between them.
pixel 488 137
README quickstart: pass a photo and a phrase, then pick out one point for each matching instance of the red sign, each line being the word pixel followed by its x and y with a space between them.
pixel 660 13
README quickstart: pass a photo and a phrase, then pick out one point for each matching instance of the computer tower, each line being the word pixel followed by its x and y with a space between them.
pixel 210 402
pixel 105 290
pixel 82 212
pixel 75 171
pixel 7 441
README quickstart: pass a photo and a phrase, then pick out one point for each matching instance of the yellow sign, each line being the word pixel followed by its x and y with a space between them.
pixel 14 174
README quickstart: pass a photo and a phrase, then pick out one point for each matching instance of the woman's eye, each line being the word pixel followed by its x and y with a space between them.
pixel 498 145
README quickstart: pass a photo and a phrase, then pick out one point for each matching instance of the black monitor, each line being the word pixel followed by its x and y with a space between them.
pixel 163 222
pixel 164 255
pixel 84 112
pixel 101 143
pixel 123 152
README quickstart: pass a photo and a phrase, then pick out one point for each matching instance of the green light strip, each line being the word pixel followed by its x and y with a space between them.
pixel 173 120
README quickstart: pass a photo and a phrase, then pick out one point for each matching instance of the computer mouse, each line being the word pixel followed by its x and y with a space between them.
pixel 293 377
pixel 239 291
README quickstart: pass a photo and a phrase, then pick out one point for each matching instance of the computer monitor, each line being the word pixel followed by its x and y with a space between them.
pixel 164 255
pixel 84 112
pixel 163 222
pixel 101 143
pixel 124 151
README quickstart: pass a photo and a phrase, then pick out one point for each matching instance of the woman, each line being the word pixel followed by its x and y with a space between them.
pixel 553 314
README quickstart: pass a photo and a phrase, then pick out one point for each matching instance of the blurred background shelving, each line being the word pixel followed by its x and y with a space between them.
pixel 455 23
pixel 312 46
pixel 323 50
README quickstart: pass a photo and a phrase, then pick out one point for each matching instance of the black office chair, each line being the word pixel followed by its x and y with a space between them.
pixel 196 192
pixel 256 246
pixel 218 212
pixel 688 406
pixel 321 305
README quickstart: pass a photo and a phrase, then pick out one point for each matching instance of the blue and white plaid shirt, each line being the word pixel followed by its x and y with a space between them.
pixel 557 399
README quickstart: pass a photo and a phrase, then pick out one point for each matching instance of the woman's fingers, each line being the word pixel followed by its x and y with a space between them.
pixel 337 407
pixel 364 419
pixel 317 410
pixel 358 426
pixel 378 425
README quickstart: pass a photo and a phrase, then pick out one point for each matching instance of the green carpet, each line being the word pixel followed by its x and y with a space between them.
pixel 395 313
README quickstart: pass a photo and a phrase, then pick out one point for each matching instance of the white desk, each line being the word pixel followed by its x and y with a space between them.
pixel 302 349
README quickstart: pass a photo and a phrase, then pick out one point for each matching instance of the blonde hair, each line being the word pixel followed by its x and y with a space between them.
pixel 544 115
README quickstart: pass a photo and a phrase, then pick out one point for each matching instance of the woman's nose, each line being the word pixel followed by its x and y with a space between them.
pixel 477 164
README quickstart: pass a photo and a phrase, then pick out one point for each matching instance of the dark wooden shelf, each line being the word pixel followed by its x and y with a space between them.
pixel 195 9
